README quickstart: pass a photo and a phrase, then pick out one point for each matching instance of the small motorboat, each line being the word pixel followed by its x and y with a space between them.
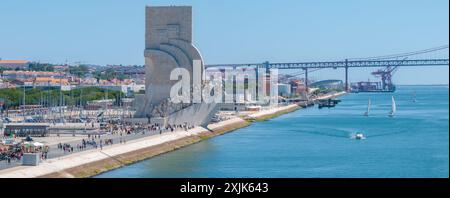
pixel 359 136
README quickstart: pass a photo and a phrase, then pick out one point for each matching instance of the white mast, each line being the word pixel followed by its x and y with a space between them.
pixel 368 108
pixel 393 108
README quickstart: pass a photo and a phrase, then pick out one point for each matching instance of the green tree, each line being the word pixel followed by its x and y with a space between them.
pixel 13 96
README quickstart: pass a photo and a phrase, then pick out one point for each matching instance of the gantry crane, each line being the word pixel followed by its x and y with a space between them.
pixel 386 77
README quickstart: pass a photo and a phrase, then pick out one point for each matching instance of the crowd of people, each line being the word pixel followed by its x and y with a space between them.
pixel 127 128
pixel 67 148
pixel 15 151
pixel 11 155
pixel 121 130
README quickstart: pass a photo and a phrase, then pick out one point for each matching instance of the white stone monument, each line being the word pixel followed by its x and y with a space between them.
pixel 168 45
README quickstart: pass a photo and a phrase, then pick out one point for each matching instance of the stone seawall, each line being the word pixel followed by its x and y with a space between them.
pixel 113 162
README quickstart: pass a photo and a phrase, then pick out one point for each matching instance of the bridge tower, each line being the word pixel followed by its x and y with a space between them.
pixel 346 75
pixel 306 79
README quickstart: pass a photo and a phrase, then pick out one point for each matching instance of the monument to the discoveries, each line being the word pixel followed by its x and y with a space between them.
pixel 168 45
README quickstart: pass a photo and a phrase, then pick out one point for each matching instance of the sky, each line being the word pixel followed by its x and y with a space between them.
pixel 233 31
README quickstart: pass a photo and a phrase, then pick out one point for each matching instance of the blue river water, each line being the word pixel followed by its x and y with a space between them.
pixel 312 142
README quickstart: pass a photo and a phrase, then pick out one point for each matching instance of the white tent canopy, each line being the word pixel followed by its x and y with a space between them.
pixel 35 144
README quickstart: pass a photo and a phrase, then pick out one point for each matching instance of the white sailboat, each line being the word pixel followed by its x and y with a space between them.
pixel 414 97
pixel 393 108
pixel 368 108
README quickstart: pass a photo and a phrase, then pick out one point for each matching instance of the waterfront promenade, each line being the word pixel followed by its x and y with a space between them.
pixel 58 166
pixel 73 141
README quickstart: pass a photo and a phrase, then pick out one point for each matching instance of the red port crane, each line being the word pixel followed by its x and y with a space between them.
pixel 386 77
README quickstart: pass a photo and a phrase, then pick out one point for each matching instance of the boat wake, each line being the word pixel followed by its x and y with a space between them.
pixel 350 135
pixel 333 133
pixel 389 133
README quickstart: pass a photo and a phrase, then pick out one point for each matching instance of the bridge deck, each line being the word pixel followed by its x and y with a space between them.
pixel 341 64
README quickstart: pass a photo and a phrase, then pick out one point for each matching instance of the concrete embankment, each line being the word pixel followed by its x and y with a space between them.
pixel 334 95
pixel 93 162
pixel 115 160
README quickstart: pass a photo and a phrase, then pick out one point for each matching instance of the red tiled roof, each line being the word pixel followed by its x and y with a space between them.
pixel 13 62
pixel 31 72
